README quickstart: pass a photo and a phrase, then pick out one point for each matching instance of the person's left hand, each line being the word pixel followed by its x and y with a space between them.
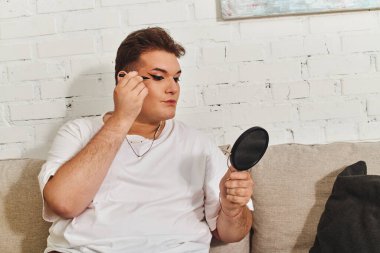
pixel 236 189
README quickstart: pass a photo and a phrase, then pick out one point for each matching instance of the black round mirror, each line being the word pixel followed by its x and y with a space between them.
pixel 249 148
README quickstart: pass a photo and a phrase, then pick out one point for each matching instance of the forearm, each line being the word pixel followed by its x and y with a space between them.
pixel 76 182
pixel 233 227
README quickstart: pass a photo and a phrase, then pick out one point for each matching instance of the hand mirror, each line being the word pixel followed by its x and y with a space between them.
pixel 249 148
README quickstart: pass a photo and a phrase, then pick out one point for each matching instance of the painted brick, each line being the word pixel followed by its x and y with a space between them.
pixel 315 45
pixel 14 93
pixel 212 54
pixel 91 107
pixel 47 132
pixel 331 110
pixel 42 110
pixel 93 65
pixel 247 52
pixel 188 98
pixel 293 90
pixel 299 90
pixel 209 75
pixel 245 114
pixel 28 27
pixel 341 132
pixel 91 20
pixel 369 131
pixel 48 6
pixel 15 52
pixel 36 71
pixel 89 86
pixel 15 9
pixel 219 33
pixel 68 46
pixel 279 136
pixel 231 134
pixel 15 134
pixel 125 2
pixel 288 47
pixel 158 13
pixel 37 150
pixel 284 70
pixel 205 9
pixel 373 105
pixel 112 40
pixel 280 91
pixel 339 22
pixel 190 59
pixel 265 27
pixel 309 135
pixel 201 119
pixel 227 94
pixel 3 74
pixel 323 88
pixel 364 42
pixel 11 151
pixel 326 66
pixel 361 85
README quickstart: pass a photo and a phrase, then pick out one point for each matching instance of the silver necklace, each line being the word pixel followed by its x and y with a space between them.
pixel 151 145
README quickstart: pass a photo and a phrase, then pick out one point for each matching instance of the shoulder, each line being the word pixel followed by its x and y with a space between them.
pixel 80 128
pixel 186 130
pixel 192 135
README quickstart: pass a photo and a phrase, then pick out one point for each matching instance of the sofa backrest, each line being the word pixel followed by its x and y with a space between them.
pixel 292 185
pixel 22 228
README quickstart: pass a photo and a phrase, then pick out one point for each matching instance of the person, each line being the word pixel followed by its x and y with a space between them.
pixel 135 179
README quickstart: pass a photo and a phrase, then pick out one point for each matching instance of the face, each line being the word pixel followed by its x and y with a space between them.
pixel 163 70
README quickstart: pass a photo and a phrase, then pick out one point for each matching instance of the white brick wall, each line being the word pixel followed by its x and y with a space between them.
pixel 48 6
pixel 306 79
pixel 28 27
pixel 19 8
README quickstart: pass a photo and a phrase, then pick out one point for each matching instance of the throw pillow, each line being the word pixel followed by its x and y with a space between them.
pixel 351 219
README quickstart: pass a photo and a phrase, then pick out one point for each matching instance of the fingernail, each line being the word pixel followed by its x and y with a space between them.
pixel 121 74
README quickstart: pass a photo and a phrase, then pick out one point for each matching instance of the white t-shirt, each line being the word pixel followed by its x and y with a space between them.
pixel 166 201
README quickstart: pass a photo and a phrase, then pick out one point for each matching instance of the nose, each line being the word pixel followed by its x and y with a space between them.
pixel 173 86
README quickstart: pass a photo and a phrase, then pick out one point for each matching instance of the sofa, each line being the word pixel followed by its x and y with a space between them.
pixel 292 185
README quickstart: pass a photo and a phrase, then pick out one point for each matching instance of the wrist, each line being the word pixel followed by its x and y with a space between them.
pixel 119 124
pixel 230 212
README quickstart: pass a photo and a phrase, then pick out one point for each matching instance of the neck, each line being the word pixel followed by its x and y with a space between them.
pixel 142 128
pixel 147 130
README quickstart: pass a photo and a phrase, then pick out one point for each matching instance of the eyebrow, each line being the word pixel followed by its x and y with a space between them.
pixel 164 71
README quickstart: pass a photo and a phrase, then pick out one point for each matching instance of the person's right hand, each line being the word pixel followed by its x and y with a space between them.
pixel 129 95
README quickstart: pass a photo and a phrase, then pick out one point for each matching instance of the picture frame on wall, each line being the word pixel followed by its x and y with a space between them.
pixel 235 9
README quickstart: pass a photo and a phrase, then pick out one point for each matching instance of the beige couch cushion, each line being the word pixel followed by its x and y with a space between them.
pixel 293 183
pixel 238 247
pixel 21 228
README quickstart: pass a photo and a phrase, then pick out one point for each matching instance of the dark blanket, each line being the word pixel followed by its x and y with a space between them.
pixel 351 219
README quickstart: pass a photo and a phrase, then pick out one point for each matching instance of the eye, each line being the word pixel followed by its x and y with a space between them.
pixel 176 79
pixel 157 78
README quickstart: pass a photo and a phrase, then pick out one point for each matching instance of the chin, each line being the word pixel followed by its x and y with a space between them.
pixel 169 116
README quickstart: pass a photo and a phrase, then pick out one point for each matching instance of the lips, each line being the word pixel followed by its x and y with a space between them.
pixel 171 101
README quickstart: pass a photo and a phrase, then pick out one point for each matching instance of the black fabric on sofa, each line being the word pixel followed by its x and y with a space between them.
pixel 351 219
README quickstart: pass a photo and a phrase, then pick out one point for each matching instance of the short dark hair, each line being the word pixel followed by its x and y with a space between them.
pixel 142 41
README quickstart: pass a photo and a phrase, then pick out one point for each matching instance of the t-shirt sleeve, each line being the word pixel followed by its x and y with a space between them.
pixel 216 167
pixel 66 144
